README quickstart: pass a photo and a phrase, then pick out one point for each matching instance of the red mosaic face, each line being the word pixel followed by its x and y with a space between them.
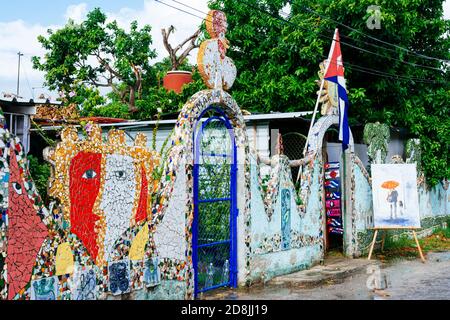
pixel 26 231
pixel 84 187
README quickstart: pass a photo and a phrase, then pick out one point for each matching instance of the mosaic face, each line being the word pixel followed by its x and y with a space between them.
pixel 118 198
pixel 104 191
pixel 85 172
pixel 26 231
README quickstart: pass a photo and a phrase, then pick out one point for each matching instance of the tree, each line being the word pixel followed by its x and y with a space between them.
pixel 278 58
pixel 97 53
pixel 177 61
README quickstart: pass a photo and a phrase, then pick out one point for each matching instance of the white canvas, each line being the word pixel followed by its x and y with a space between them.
pixel 395 197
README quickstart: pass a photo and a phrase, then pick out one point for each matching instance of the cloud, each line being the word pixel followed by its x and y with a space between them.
pixel 21 36
pixel 18 36
pixel 447 9
pixel 76 12
pixel 159 16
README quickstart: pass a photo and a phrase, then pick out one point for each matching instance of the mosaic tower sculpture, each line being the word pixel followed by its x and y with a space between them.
pixel 218 71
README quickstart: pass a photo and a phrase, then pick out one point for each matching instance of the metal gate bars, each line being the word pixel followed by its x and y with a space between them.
pixel 215 208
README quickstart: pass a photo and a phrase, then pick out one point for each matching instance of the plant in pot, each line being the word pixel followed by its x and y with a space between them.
pixel 176 79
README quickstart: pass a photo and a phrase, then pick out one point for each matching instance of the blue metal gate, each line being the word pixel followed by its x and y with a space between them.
pixel 215 208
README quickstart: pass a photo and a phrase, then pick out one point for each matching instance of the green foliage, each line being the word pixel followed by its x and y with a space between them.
pixel 40 172
pixel 377 137
pixel 278 63
pixel 121 58
pixel 154 96
pixel 87 99
pixel 115 109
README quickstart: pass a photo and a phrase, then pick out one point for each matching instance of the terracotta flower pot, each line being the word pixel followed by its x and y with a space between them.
pixel 175 80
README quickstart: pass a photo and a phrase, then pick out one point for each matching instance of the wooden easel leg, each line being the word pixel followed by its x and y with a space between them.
pixel 372 244
pixel 383 240
pixel 418 246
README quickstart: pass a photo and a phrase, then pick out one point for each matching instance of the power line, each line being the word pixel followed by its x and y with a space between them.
pixel 190 7
pixel 355 67
pixel 371 37
pixel 342 42
pixel 181 10
pixel 375 45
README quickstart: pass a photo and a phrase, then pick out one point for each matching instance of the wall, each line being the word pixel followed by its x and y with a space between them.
pixel 284 239
pixel 96 239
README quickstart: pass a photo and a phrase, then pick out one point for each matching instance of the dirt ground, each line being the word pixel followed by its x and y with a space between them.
pixel 407 280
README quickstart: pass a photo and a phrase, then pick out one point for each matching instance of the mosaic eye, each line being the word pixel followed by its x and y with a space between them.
pixel 17 187
pixel 120 174
pixel 89 174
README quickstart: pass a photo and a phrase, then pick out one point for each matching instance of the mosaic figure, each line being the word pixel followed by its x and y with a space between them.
pixel 377 137
pixel 104 191
pixel 44 289
pixel 22 226
pixel 85 285
pixel 414 153
pixel 119 277
pixel 152 274
pixel 217 70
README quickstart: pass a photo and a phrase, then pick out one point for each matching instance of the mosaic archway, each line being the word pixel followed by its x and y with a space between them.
pixel 214 230
pixel 318 132
pixel 181 158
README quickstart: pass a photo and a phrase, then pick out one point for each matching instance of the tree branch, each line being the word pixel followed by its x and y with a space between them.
pixel 176 61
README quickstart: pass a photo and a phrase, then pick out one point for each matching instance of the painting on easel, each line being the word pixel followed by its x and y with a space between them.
pixel 395 197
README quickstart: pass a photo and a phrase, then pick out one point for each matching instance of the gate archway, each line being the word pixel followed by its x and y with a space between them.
pixel 214 234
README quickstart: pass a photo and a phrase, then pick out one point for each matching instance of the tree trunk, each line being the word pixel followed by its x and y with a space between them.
pixel 132 102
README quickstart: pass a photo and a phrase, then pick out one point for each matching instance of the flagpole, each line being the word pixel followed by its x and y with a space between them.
pixel 314 116
pixel 311 125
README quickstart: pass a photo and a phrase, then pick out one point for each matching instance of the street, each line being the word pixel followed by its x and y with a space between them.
pixel 407 280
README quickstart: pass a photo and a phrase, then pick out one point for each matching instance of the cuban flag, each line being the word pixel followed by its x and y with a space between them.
pixel 335 73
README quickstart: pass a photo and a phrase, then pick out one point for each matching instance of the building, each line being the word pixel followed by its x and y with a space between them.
pixel 18 116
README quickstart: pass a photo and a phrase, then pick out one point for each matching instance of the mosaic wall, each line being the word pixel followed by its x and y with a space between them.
pixel 285 237
pixel 96 241
pixel 23 219
pixel 176 188
pixel 113 232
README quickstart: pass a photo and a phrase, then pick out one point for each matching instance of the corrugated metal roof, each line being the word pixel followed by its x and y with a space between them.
pixel 138 124
pixel 24 102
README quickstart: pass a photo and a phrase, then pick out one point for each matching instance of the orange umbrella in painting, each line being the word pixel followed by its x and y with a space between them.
pixel 391 184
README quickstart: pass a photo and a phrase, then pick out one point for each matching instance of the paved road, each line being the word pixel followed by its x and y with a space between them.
pixel 407 280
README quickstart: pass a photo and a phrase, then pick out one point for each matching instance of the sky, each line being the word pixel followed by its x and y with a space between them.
pixel 22 21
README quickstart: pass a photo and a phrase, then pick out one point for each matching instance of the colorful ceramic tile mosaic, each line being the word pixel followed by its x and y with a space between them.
pixel 217 70
pixel 181 158
pixel 119 277
pixel 152 272
pixel 98 238
pixel 44 289
pixel 84 284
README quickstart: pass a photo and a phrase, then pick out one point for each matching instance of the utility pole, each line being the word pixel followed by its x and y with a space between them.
pixel 20 54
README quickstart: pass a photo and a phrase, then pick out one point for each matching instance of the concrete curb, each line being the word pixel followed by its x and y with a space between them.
pixel 334 272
